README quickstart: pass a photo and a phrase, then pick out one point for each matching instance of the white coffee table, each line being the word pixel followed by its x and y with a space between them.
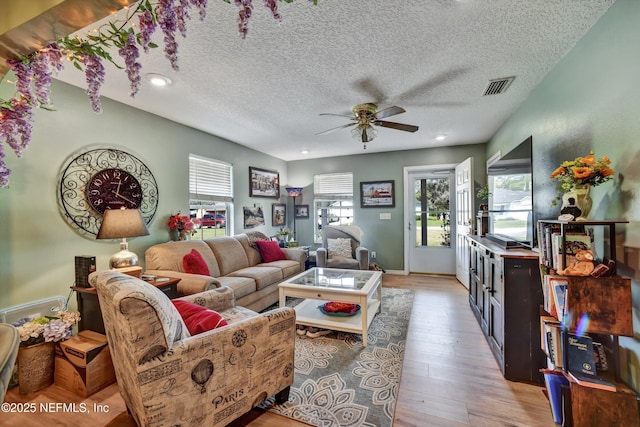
pixel 319 285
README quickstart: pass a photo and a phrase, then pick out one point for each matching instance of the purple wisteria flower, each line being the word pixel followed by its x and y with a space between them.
pixel 46 62
pixel 4 170
pixel 182 15
pixel 129 52
pixel 243 16
pixel 167 19
pixel 147 27
pixel 24 75
pixel 94 74
pixel 16 122
pixel 273 6
pixel 202 7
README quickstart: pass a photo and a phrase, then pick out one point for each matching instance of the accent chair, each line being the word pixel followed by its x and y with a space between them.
pixel 341 248
pixel 168 377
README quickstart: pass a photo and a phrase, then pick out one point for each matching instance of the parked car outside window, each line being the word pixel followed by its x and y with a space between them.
pixel 213 220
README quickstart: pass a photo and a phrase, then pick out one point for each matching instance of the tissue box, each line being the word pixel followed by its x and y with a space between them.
pixel 83 363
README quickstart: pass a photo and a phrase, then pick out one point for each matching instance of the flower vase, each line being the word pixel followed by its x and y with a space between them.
pixel 577 202
pixel 174 235
pixel 184 235
pixel 35 367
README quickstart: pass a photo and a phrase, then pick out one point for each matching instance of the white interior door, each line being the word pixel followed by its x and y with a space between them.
pixel 430 224
pixel 464 217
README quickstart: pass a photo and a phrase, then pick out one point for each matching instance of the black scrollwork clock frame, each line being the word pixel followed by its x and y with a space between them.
pixel 77 173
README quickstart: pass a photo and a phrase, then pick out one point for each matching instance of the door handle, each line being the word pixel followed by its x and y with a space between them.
pixel 409 225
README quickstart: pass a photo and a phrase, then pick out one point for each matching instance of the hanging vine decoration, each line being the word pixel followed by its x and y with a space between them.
pixel 34 71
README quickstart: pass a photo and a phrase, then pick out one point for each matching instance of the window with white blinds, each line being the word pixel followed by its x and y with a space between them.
pixel 333 186
pixel 210 181
pixel 333 204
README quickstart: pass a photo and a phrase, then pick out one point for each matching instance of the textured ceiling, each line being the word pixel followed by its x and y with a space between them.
pixel 432 57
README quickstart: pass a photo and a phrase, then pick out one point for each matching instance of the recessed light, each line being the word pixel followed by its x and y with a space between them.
pixel 441 137
pixel 305 151
pixel 158 79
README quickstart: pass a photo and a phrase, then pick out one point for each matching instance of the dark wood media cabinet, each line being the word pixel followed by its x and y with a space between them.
pixel 505 296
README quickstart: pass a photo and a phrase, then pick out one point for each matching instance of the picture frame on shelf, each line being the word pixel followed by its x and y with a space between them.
pixel 264 183
pixel 377 194
pixel 278 214
pixel 302 212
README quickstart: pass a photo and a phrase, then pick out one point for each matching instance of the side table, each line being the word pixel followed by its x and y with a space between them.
pixel 89 306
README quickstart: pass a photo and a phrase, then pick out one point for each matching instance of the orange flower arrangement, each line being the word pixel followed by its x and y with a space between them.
pixel 585 170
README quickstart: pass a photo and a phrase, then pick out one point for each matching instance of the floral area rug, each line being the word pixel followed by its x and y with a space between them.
pixel 339 383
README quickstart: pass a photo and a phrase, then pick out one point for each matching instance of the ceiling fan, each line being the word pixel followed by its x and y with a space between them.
pixel 365 116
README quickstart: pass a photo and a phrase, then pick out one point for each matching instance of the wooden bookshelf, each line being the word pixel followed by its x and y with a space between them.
pixel 607 302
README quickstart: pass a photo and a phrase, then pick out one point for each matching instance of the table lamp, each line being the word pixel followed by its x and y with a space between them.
pixel 294 192
pixel 120 224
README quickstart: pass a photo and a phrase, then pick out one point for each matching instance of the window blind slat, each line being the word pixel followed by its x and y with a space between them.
pixel 333 186
pixel 210 180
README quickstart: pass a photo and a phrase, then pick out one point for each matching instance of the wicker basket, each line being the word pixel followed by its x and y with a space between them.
pixel 35 367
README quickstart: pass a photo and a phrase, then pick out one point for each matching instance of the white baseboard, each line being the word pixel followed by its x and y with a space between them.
pixel 398 272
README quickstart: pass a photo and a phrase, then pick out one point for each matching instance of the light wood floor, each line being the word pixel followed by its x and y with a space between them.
pixel 449 376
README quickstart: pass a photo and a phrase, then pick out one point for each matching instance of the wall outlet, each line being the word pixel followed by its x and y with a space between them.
pixel 373 254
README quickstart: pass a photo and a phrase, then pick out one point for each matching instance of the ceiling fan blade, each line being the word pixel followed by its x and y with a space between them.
pixel 389 111
pixel 339 115
pixel 335 129
pixel 398 126
pixel 370 88
pixel 425 89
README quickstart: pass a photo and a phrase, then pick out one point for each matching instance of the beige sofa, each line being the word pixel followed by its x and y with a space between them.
pixel 232 261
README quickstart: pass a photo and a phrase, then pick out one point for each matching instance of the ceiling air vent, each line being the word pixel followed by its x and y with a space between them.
pixel 498 86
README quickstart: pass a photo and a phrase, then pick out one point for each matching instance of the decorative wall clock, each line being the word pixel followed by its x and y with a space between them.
pixel 97 179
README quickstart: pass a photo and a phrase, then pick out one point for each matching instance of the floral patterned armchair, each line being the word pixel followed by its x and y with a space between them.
pixel 169 378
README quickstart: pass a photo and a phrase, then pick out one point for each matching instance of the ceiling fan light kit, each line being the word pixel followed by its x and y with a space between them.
pixel 365 116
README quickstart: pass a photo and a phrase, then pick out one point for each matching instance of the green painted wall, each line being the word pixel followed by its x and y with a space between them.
pixel 37 246
pixel 386 237
pixel 591 101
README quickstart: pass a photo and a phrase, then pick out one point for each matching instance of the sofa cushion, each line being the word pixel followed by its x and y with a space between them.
pixel 229 253
pixel 270 251
pixel 288 267
pixel 342 262
pixel 263 276
pixel 168 256
pixel 198 318
pixel 247 240
pixel 242 286
pixel 339 248
pixel 194 263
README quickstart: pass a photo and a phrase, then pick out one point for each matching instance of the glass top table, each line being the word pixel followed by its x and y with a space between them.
pixel 319 285
pixel 333 278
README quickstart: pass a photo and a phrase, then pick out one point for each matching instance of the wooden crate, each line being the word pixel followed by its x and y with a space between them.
pixel 595 407
pixel 607 302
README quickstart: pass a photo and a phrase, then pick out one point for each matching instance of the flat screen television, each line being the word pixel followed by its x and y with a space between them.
pixel 511 221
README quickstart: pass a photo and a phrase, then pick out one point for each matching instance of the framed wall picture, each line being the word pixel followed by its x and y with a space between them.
pixel 264 183
pixel 278 214
pixel 302 211
pixel 253 216
pixel 377 194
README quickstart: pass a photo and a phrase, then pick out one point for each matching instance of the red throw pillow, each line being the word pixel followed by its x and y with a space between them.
pixel 198 318
pixel 270 251
pixel 194 263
